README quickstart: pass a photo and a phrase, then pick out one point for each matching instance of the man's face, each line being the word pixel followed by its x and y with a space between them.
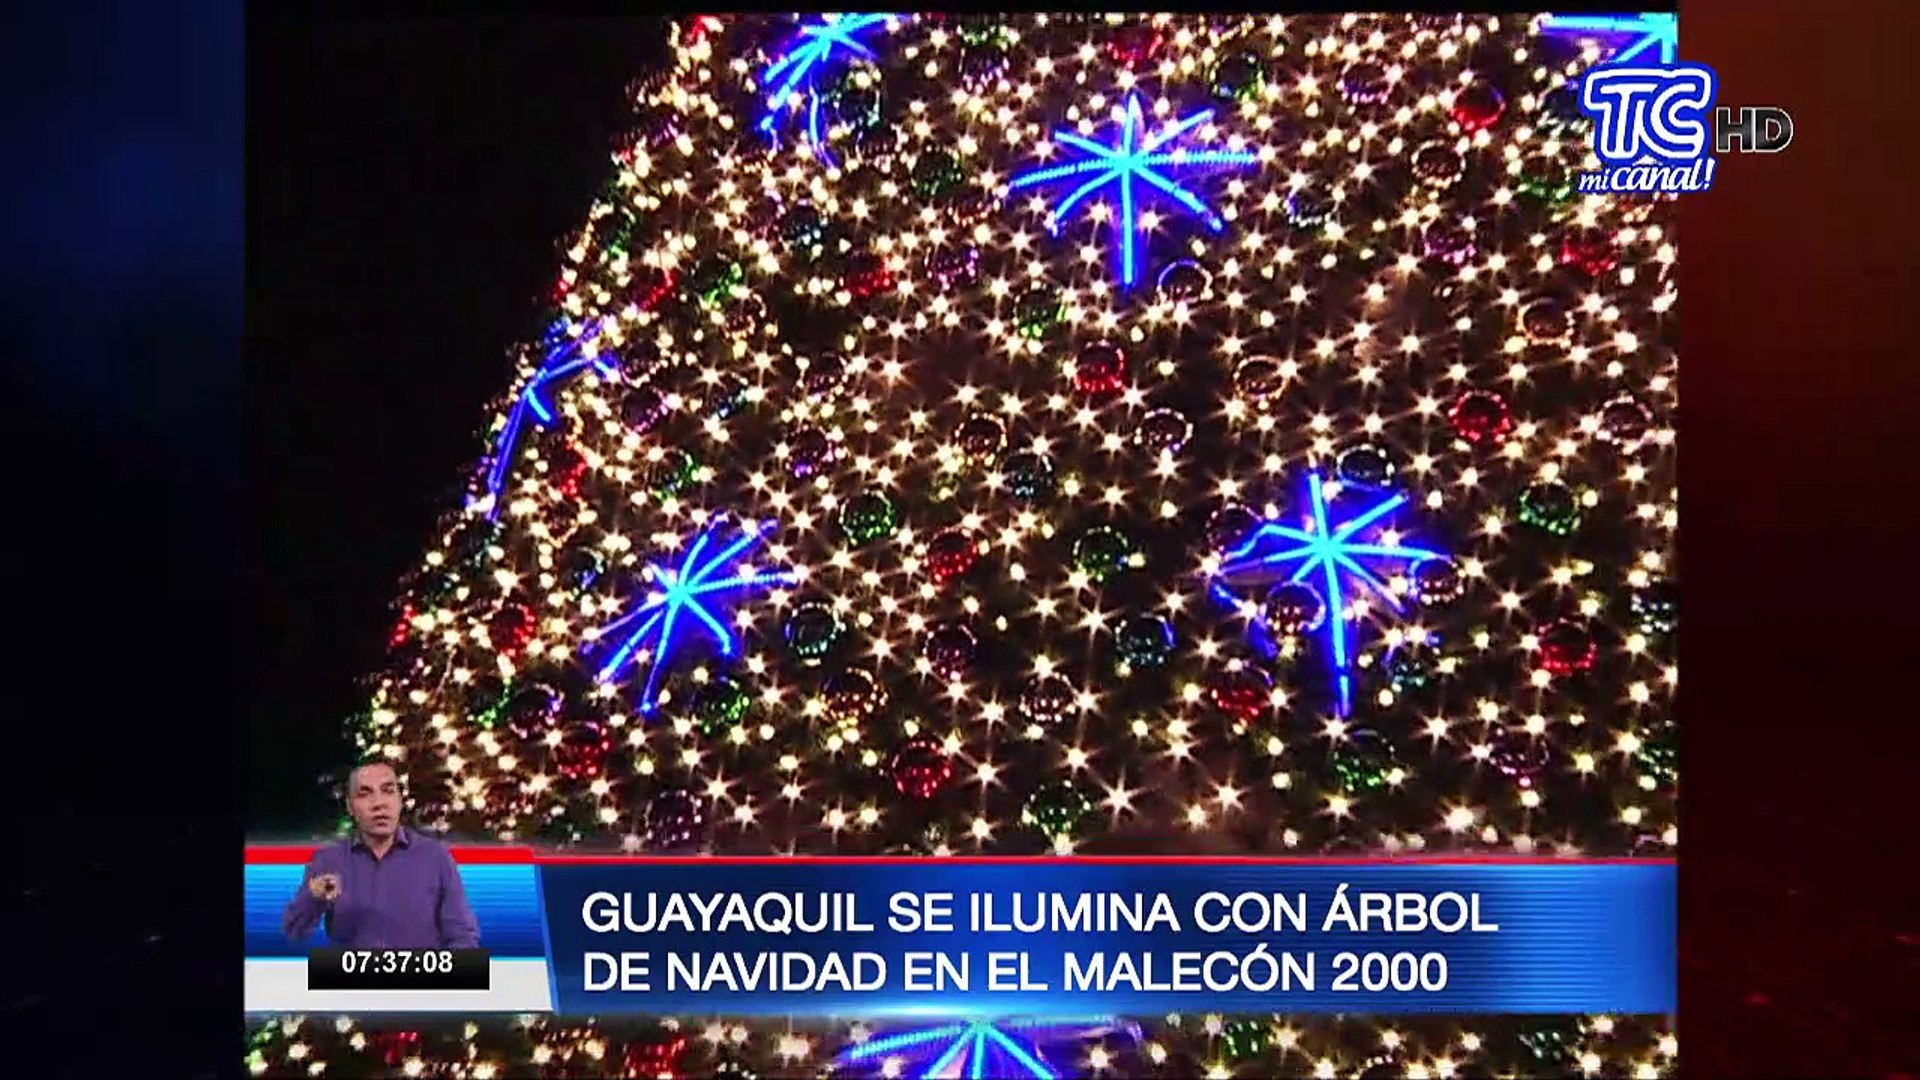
pixel 374 799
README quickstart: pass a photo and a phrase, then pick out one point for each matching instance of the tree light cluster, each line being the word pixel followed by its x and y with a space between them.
pixel 1181 1046
pixel 1038 356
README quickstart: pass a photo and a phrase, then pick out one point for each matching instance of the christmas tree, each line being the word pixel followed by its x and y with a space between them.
pixel 1027 434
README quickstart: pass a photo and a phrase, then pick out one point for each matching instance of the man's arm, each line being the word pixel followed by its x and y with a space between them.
pixel 458 930
pixel 306 909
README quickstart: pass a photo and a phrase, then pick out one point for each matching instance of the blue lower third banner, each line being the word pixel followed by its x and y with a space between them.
pixel 978 938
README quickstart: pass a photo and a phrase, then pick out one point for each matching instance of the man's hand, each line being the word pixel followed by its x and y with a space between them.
pixel 325 887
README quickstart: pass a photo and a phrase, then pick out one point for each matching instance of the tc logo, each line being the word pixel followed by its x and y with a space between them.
pixel 1649 112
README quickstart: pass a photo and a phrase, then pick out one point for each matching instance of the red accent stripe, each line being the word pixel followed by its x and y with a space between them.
pixel 482 855
pixel 470 854
pixel 560 859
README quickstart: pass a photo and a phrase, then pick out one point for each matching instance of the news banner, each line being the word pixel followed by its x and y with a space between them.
pixel 976 937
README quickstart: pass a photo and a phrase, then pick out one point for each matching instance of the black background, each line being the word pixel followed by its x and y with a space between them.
pixel 409 181
pixel 204 555
pixel 122 264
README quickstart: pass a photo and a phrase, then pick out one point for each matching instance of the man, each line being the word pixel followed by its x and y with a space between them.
pixel 384 886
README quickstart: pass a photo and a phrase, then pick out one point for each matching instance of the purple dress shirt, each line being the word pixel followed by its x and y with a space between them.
pixel 409 898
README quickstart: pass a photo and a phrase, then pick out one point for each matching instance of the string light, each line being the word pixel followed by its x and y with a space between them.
pixel 1185 1045
pixel 1323 551
pixel 1641 33
pixel 977 1048
pixel 1136 166
pixel 565 360
pixel 816 46
pixel 691 591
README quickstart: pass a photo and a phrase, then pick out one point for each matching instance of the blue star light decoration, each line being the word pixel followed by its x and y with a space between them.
pixel 691 601
pixel 817 46
pixel 1137 166
pixel 1650 30
pixel 978 1049
pixel 1336 558
pixel 566 358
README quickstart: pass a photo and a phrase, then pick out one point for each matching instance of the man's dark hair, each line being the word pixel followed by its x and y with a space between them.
pixel 366 763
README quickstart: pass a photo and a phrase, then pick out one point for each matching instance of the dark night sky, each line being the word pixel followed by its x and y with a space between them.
pixel 196 537
pixel 409 180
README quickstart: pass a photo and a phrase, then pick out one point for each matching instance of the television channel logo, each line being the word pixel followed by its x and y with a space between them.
pixel 1656 129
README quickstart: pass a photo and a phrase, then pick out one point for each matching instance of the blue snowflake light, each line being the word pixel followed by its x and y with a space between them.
pixel 1330 556
pixel 566 358
pixel 979 1049
pixel 818 45
pixel 1637 33
pixel 1137 166
pixel 691 601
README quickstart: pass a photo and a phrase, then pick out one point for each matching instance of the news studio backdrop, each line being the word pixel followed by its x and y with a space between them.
pixel 968 451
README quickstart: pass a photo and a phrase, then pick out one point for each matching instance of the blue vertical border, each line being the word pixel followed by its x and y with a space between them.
pixel 546 939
